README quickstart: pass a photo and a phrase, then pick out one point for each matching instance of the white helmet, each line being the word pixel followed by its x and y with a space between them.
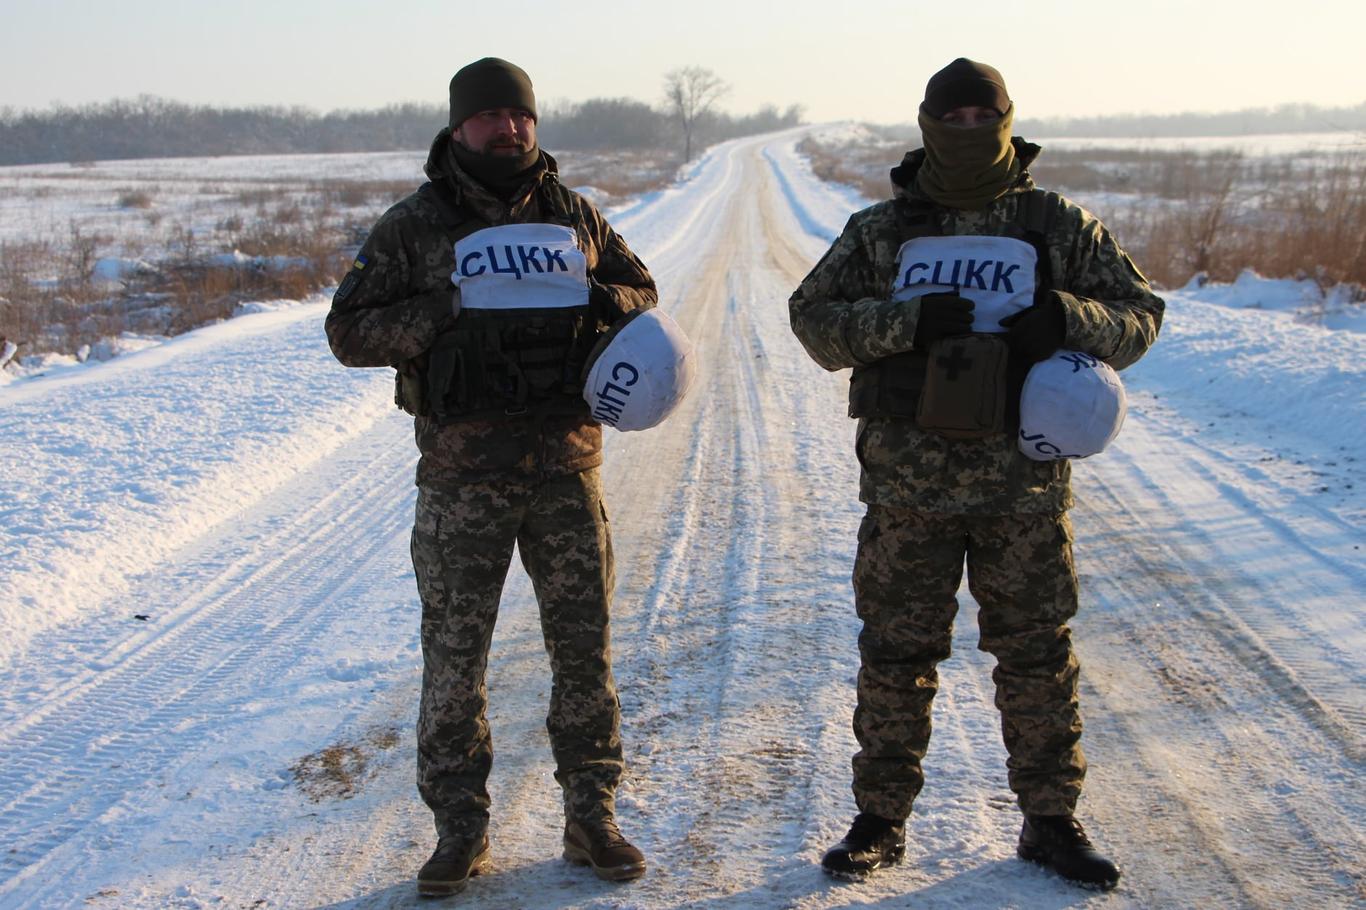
pixel 640 371
pixel 1072 405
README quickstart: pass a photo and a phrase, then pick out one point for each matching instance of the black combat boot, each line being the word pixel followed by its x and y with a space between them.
pixel 599 844
pixel 872 842
pixel 457 858
pixel 1059 843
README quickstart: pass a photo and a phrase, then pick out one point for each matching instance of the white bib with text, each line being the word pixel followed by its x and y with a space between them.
pixel 995 273
pixel 521 266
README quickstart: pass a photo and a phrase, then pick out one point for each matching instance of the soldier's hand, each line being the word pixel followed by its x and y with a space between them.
pixel 455 303
pixel 601 305
pixel 1037 331
pixel 942 315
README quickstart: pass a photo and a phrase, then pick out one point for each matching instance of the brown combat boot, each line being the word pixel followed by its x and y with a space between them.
pixel 599 844
pixel 456 860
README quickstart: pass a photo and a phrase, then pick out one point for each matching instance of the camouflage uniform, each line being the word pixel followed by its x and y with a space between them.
pixel 932 501
pixel 487 483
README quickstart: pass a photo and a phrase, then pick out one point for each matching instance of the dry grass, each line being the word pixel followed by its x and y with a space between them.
pixel 359 193
pixel 52 305
pixel 302 236
pixel 864 167
pixel 1179 213
pixel 1233 214
pixel 619 174
pixel 134 199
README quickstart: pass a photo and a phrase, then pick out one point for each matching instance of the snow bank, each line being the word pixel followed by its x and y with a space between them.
pixel 105 469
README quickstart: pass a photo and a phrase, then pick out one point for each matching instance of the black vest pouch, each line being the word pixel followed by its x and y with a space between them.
pixel 507 363
pixel 410 385
pixel 965 394
pixel 890 387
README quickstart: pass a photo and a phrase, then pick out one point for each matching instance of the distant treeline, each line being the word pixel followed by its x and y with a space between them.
pixel 1287 118
pixel 152 127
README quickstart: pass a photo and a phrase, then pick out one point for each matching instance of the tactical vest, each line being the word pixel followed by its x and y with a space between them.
pixel 501 363
pixel 891 387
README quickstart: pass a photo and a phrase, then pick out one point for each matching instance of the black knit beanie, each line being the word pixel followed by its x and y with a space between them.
pixel 965 83
pixel 487 85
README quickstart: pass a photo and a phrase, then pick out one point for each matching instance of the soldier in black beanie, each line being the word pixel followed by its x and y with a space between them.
pixel 510 453
pixel 493 125
pixel 489 84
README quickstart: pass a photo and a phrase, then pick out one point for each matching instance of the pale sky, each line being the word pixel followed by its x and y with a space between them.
pixel 848 59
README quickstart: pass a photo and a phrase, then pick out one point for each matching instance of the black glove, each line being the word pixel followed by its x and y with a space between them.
pixel 942 315
pixel 1037 331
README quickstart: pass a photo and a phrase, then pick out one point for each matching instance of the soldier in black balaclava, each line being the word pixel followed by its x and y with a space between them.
pixel 941 300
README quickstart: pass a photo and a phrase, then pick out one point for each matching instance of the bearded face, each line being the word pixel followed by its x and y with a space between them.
pixel 503 132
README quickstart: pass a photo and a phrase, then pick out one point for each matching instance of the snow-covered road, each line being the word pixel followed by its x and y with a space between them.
pixel 209 671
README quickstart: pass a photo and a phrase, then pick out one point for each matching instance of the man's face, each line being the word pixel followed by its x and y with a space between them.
pixel 968 117
pixel 507 131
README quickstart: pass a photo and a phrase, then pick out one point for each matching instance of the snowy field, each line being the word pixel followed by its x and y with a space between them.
pixel 1253 146
pixel 209 670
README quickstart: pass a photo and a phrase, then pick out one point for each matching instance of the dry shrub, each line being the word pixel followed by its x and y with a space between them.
pixel 134 199
pixel 1313 226
pixel 51 305
pixel 258 197
pixel 1187 212
pixel 619 174
pixel 360 193
pixel 864 167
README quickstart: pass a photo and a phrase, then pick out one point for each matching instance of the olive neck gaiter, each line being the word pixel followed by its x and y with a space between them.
pixel 967 168
pixel 501 175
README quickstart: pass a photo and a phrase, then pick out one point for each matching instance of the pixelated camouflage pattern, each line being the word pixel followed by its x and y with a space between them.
pixel 1021 574
pixel 462 544
pixel 844 316
pixel 392 309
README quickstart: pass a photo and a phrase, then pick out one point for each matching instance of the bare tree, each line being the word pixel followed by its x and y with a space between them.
pixel 690 93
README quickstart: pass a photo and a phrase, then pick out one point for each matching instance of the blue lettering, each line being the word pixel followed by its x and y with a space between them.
pixel 511 266
pixel 906 280
pixel 528 257
pixel 607 414
pixel 465 265
pixel 937 276
pixel 1080 361
pixel 632 371
pixel 613 387
pixel 1001 277
pixel 976 273
pixel 552 257
pixel 1041 445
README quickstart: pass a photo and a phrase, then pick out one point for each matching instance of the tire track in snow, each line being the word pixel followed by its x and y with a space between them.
pixel 119 727
pixel 747 723
pixel 1247 773
pixel 1301 665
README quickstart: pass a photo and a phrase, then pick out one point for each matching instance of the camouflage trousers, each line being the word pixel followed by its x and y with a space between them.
pixel 1020 572
pixel 462 545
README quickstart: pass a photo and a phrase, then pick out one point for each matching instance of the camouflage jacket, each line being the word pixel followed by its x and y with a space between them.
pixel 397 299
pixel 844 316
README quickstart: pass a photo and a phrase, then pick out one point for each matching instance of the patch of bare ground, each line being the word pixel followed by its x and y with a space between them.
pixel 340 770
